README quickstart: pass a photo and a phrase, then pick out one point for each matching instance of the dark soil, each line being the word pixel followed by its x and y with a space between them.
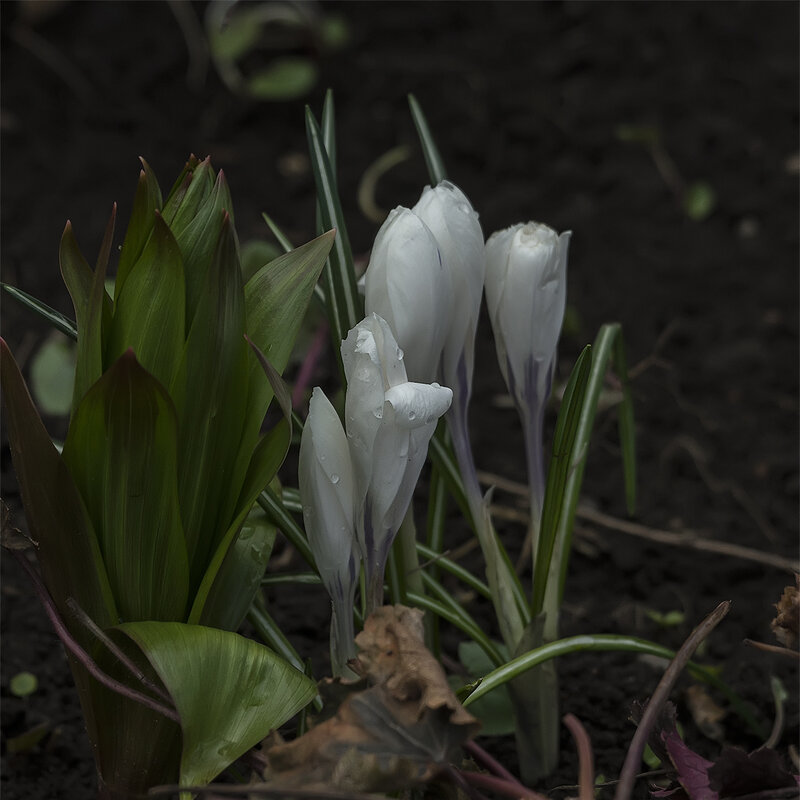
pixel 526 101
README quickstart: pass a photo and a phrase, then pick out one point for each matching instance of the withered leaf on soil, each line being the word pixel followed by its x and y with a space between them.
pixel 734 774
pixel 786 625
pixel 398 732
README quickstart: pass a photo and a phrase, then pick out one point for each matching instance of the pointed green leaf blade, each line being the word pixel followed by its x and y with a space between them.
pixel 211 395
pixel 146 202
pixel 345 305
pixel 68 550
pixel 149 310
pixel 433 159
pixel 58 320
pixel 121 448
pixel 230 692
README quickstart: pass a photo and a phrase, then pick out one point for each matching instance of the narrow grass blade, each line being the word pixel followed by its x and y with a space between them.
pixel 447 613
pixel 345 305
pixel 433 159
pixel 464 575
pixel 272 504
pixel 562 462
pixel 328 126
pixel 283 240
pixel 58 320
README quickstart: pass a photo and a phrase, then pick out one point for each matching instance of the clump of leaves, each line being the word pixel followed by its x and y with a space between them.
pixel 137 522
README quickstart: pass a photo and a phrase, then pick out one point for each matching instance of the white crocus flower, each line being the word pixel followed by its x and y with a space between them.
pixel 389 421
pixel 454 223
pixel 407 285
pixel 327 491
pixel 526 291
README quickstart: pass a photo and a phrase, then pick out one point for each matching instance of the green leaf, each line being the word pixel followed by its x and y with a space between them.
pixel 345 305
pixel 211 395
pixel 328 127
pixel 455 569
pixel 608 346
pixel 230 692
pixel 146 202
pixel 23 684
pixel 53 374
pixel 68 549
pixel 699 200
pixel 267 459
pixel 240 573
pixel 255 254
pixel 149 310
pixel 177 193
pixel 271 503
pixel 495 710
pixel 188 197
pixel 433 159
pixel 284 79
pixel 562 463
pixel 121 449
pixel 55 318
pixel 283 241
pixel 91 302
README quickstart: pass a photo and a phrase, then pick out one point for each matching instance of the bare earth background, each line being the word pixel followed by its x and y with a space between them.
pixel 526 101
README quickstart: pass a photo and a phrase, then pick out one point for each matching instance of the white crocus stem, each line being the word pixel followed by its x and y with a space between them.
pixel 454 223
pixel 327 491
pixel 406 284
pixel 526 289
pixel 389 424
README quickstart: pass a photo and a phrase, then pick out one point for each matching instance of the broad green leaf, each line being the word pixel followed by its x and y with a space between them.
pixel 91 302
pixel 187 198
pixel 149 310
pixel 239 576
pixel 433 159
pixel 146 202
pixel 198 240
pixel 562 463
pixel 68 550
pixel 345 305
pixel 121 449
pixel 210 393
pixel 230 692
pixel 177 193
pixel 58 320
pixel 53 374
pixel 495 711
pixel 266 460
pixel 255 254
pixel 283 79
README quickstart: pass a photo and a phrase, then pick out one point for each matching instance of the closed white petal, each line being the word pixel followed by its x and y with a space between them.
pixel 406 284
pixel 326 489
pixel 418 404
pixel 454 223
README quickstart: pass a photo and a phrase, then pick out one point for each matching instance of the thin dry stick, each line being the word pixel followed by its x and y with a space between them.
pixel 773 648
pixel 585 756
pixel 81 655
pixel 116 651
pixel 636 749
pixel 684 539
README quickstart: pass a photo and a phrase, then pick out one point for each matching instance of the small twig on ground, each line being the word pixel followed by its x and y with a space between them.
pixel 636 749
pixel 489 762
pixel 686 538
pixel 585 756
pixel 116 651
pixel 81 655
pixel 773 648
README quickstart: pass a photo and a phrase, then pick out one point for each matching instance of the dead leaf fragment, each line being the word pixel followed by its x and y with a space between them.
pixel 706 714
pixel 400 731
pixel 786 625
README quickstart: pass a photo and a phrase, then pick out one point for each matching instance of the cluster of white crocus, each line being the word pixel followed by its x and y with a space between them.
pixel 423 289
pixel 356 487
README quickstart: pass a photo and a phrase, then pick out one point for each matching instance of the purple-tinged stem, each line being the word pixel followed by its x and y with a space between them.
pixel 500 786
pixel 81 655
pixel 585 756
pixel 303 380
pixel 488 761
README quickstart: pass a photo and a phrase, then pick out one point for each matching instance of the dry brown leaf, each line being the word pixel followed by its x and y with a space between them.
pixel 706 714
pixel 786 625
pixel 399 732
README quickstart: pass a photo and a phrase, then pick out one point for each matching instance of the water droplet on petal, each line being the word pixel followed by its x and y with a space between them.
pixel 334 479
pixel 412 416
